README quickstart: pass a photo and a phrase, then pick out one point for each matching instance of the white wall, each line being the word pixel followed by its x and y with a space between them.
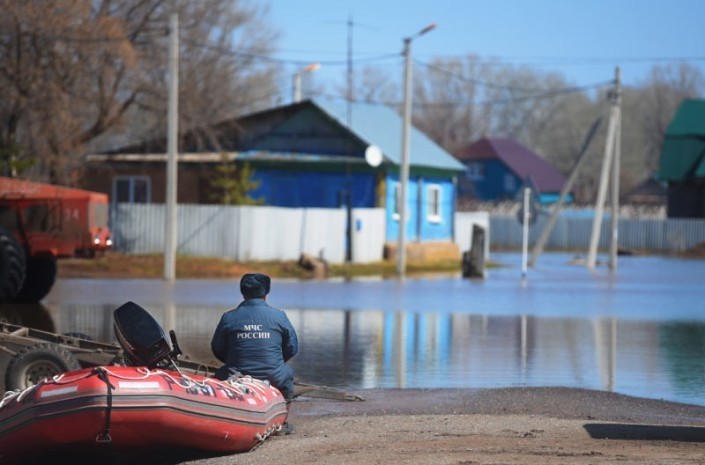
pixel 368 233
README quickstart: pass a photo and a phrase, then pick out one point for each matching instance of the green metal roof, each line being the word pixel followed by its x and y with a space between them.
pixel 689 120
pixel 683 152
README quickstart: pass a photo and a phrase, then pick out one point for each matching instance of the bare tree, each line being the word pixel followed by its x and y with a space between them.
pixel 375 86
pixel 448 98
pixel 658 99
pixel 72 71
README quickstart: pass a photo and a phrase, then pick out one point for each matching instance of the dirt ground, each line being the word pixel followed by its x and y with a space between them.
pixel 487 426
pixel 521 426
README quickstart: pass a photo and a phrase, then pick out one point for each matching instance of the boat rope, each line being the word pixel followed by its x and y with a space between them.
pixel 8 396
pixel 62 379
pixel 19 394
pixel 103 375
pixel 245 385
pixel 262 437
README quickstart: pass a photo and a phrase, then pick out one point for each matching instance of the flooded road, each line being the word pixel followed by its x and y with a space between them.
pixel 639 331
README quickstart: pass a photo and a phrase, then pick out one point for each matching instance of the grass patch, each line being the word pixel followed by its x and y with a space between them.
pixel 118 265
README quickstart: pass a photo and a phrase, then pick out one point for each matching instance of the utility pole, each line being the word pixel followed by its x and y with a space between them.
pixel 607 163
pixel 350 70
pixel 538 247
pixel 172 133
pixel 614 223
pixel 404 167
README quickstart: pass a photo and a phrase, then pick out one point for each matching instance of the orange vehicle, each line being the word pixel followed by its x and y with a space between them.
pixel 40 223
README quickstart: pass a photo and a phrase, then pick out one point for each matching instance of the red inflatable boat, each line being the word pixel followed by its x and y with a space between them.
pixel 144 405
pixel 137 407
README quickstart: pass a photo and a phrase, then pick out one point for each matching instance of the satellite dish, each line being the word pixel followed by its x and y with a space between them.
pixel 373 156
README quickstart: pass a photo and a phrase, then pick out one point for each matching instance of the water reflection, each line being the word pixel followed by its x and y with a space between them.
pixel 364 349
pixel 640 331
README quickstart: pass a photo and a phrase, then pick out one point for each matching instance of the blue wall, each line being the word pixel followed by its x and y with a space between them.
pixel 491 187
pixel 418 223
pixel 304 189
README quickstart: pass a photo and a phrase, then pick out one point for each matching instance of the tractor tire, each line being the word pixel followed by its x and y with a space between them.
pixel 34 363
pixel 12 266
pixel 39 279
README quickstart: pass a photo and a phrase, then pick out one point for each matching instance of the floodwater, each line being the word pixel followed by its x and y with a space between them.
pixel 638 331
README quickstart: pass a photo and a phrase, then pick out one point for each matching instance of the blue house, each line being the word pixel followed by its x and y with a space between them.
pixel 307 154
pixel 316 157
pixel 497 169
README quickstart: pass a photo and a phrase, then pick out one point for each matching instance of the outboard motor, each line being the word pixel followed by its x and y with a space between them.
pixel 142 338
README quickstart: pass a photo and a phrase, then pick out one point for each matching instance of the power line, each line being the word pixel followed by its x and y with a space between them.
pixel 549 94
pixel 473 80
pixel 543 93
pixel 546 60
pixel 270 59
pixel 506 101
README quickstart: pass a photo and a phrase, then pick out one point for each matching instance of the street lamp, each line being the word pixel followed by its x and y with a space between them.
pixel 297 80
pixel 404 167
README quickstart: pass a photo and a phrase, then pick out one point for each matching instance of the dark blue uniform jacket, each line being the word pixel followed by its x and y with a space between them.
pixel 257 340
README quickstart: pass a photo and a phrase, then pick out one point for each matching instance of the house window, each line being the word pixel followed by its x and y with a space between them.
pixel 434 203
pixel 510 184
pixel 131 189
pixel 476 171
pixel 396 212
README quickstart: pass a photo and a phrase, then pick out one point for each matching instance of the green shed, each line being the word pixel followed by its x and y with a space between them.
pixel 682 163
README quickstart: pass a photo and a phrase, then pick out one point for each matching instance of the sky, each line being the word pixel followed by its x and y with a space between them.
pixel 584 40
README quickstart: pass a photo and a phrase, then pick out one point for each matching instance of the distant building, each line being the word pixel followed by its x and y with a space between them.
pixel 649 192
pixel 497 168
pixel 307 154
pixel 682 163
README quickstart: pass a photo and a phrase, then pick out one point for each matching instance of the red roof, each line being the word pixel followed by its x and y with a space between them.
pixel 520 160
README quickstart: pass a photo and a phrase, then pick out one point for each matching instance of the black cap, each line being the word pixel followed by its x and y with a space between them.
pixel 254 285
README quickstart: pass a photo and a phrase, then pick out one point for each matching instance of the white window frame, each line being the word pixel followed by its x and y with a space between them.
pixel 435 194
pixel 131 186
pixel 396 207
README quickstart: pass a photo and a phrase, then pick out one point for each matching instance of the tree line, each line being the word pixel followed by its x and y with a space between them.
pixel 460 100
pixel 81 75
pixel 78 76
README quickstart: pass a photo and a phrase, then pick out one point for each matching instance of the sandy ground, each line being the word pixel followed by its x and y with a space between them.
pixel 487 426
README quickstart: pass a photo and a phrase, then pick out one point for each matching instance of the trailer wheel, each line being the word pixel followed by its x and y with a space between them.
pixel 12 266
pixel 34 363
pixel 40 277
